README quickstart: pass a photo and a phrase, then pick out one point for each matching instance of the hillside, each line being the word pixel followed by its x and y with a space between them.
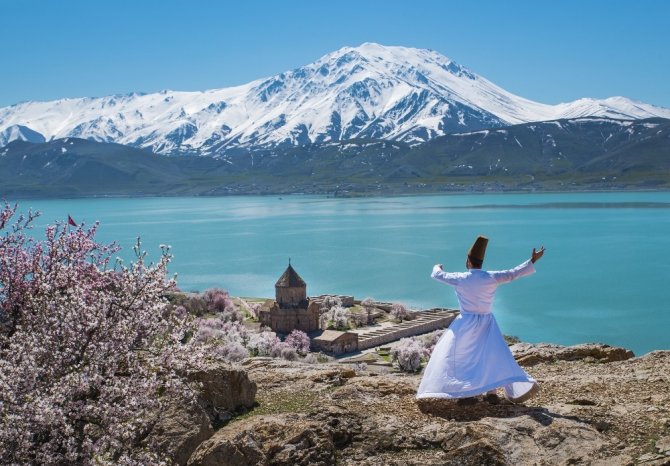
pixel 587 153
pixel 73 167
pixel 596 407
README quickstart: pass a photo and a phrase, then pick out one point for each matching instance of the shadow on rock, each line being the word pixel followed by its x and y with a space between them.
pixel 475 409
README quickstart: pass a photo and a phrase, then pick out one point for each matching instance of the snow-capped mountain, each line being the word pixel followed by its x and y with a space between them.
pixel 19 133
pixel 371 91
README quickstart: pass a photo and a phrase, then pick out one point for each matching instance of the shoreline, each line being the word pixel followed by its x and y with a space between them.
pixel 511 339
pixel 333 195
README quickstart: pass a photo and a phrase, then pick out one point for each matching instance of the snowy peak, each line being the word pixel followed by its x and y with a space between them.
pixel 612 107
pixel 370 91
pixel 19 133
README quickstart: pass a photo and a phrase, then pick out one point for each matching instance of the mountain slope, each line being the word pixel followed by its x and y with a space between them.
pixel 573 147
pixel 73 167
pixel 19 133
pixel 587 153
pixel 371 91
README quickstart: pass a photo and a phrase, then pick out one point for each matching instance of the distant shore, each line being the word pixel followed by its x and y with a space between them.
pixel 39 196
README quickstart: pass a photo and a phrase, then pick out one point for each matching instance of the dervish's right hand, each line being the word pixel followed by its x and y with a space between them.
pixel 537 255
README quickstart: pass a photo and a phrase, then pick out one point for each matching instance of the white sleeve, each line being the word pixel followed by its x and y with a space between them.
pixel 504 276
pixel 445 277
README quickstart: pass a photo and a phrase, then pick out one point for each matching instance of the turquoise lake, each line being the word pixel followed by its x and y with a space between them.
pixel 604 277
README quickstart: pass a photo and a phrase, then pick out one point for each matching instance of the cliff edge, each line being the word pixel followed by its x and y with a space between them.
pixel 598 405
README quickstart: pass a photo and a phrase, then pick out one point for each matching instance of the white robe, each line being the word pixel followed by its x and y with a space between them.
pixel 472 357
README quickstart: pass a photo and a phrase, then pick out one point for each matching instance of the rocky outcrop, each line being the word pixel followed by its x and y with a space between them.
pixel 528 354
pixel 587 413
pixel 181 428
pixel 285 439
pixel 223 391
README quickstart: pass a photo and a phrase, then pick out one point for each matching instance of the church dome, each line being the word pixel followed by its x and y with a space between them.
pixel 290 279
pixel 291 289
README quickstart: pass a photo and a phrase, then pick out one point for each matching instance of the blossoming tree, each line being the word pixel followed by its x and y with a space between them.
pixel 88 347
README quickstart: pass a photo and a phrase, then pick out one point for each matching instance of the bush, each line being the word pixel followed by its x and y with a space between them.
pixel 428 342
pixel 253 309
pixel 360 367
pixel 407 353
pixel 368 305
pixel 289 353
pixel 86 350
pixel 212 301
pixel 265 343
pixel 310 359
pixel 399 312
pixel 358 320
pixel 511 340
pixel 216 330
pixel 336 318
pixel 328 303
pixel 194 305
pixel 317 358
pixel 231 351
pixel 299 341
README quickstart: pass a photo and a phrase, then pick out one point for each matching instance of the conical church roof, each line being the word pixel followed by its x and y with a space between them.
pixel 290 279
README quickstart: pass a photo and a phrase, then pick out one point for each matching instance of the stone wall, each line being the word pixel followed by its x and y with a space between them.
pixel 347 342
pixel 291 297
pixel 427 321
pixel 347 301
pixel 286 320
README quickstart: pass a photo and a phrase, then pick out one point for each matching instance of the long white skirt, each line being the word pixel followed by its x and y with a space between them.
pixel 472 358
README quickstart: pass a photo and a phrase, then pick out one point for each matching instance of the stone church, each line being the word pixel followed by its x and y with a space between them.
pixel 292 309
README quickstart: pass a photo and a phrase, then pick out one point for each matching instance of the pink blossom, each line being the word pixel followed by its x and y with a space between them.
pixel 265 343
pixel 88 349
pixel 407 353
pixel 299 341
pixel 399 312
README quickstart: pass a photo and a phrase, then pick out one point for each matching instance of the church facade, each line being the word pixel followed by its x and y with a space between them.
pixel 292 309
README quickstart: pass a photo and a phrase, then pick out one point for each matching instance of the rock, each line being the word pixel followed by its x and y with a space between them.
pixel 181 427
pixel 528 354
pixel 225 391
pixel 477 453
pixel 280 440
pixel 649 457
pixel 663 445
pixel 586 413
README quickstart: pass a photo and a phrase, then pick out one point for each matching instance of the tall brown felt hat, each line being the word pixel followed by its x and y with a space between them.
pixel 478 249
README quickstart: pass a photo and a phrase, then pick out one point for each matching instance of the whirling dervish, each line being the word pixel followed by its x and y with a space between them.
pixel 472 357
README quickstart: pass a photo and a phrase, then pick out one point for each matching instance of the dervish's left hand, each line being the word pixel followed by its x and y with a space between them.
pixel 537 255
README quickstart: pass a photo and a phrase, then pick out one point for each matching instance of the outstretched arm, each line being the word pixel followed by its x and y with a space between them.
pixel 445 277
pixel 537 255
pixel 522 270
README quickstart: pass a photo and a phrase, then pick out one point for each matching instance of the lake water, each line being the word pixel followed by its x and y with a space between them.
pixel 604 277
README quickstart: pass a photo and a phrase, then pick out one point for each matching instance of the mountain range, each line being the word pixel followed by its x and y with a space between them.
pixel 570 154
pixel 373 92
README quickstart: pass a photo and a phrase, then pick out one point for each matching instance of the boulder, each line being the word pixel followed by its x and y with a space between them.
pixel 223 391
pixel 181 427
pixel 287 439
pixel 528 354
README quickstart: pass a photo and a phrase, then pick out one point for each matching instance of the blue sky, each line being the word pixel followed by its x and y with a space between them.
pixel 549 51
